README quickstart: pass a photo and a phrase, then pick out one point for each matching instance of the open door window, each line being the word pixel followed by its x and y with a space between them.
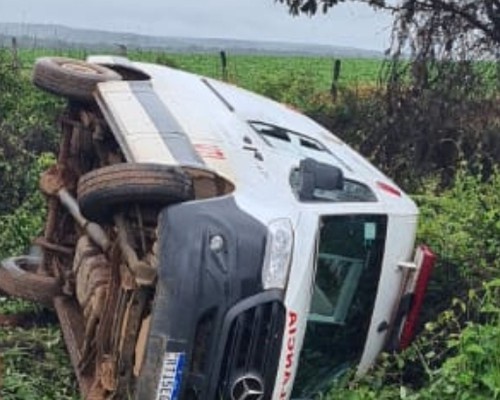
pixel 348 265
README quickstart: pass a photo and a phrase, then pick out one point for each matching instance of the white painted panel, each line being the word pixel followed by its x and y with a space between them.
pixel 132 125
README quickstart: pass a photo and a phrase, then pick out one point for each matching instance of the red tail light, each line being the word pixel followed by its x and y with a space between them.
pixel 389 189
pixel 427 260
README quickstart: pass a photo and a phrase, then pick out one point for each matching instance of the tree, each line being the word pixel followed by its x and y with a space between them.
pixel 431 28
pixel 439 107
pixel 311 6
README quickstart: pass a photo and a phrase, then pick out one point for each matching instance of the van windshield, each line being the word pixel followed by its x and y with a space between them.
pixel 348 263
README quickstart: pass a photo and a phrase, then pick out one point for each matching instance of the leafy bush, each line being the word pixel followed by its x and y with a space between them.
pixel 19 228
pixel 27 129
pixel 474 372
pixel 31 358
pixel 463 226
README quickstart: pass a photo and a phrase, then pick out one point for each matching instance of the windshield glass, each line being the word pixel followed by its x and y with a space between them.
pixel 348 263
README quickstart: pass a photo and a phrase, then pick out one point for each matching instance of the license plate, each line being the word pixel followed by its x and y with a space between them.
pixel 171 376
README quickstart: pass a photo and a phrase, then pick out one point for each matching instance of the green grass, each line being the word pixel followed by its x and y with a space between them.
pixel 33 361
pixel 245 70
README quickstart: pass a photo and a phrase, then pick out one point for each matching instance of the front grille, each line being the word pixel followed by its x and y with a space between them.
pixel 253 348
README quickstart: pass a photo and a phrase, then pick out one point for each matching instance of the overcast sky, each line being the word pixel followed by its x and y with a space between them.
pixel 349 24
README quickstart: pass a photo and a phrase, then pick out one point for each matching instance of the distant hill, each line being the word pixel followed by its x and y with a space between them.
pixel 58 36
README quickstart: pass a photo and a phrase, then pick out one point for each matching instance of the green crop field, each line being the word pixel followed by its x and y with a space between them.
pixel 249 71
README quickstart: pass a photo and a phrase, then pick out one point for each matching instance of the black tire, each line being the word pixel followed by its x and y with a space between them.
pixel 102 190
pixel 67 77
pixel 18 278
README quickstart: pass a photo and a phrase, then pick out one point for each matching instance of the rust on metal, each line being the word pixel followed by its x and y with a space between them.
pixel 51 181
pixel 105 272
pixel 45 244
pixel 72 326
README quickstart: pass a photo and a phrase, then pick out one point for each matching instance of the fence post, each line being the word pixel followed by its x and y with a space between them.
pixel 336 74
pixel 16 63
pixel 223 59
pixel 122 50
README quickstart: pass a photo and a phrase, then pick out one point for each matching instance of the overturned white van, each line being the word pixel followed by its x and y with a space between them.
pixel 204 242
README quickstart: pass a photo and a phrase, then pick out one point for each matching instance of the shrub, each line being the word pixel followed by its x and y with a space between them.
pixel 18 228
pixel 27 129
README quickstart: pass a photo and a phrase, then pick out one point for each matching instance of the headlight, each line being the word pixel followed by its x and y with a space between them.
pixel 278 254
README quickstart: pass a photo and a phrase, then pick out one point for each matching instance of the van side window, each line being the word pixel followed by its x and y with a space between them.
pixel 297 140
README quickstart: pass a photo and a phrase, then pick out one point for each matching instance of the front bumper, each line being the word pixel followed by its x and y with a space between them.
pixel 215 334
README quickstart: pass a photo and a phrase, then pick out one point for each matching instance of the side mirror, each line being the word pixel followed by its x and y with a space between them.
pixel 313 175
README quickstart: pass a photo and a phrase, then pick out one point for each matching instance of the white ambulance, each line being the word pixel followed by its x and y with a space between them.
pixel 204 242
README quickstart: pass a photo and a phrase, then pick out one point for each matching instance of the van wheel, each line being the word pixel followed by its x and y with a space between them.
pixel 18 278
pixel 102 190
pixel 67 77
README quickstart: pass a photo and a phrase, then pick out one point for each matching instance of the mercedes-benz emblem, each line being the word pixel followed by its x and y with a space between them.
pixel 247 387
